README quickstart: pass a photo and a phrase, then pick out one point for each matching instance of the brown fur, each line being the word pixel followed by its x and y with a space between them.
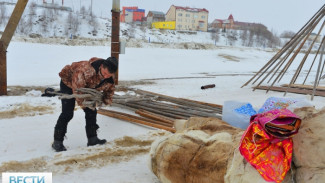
pixel 185 158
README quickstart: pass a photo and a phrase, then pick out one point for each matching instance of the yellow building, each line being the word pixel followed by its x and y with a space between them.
pixel 188 19
pixel 164 25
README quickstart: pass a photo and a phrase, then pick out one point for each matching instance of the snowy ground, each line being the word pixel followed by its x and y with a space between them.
pixel 27 121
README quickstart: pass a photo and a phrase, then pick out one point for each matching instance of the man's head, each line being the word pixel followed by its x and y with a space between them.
pixel 109 67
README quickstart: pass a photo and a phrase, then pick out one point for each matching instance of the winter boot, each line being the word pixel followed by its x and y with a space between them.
pixel 58 146
pixel 91 131
pixel 58 140
pixel 95 140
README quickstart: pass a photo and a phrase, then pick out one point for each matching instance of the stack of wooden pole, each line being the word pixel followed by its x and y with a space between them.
pixel 160 111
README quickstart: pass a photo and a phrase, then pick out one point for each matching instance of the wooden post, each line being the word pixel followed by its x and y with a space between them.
pixel 5 40
pixel 3 69
pixel 115 36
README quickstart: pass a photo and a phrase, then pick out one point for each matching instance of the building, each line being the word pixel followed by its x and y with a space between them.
pixel 230 23
pixel 132 14
pixel 191 19
pixel 164 25
pixel 155 16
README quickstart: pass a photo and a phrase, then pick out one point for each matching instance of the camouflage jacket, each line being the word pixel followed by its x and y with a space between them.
pixel 85 74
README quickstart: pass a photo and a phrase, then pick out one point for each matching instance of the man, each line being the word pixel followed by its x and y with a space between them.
pixel 96 74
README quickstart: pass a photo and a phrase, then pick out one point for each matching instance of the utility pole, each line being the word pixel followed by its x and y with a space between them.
pixel 5 40
pixel 115 35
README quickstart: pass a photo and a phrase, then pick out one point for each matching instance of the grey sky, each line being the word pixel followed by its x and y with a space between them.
pixel 279 15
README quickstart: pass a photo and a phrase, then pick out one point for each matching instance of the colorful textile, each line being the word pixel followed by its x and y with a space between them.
pixel 270 155
pixel 276 103
pixel 246 109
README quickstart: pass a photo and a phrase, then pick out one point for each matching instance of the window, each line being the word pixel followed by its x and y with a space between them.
pixel 180 14
pixel 195 16
pixel 193 21
pixel 179 26
pixel 202 16
pixel 187 15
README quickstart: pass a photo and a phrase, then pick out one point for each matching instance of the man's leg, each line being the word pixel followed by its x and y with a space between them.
pixel 91 127
pixel 64 118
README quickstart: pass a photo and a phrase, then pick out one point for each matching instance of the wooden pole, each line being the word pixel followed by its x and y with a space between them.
pixel 5 40
pixel 318 68
pixel 296 37
pixel 115 36
pixel 3 69
pixel 135 119
pixel 154 116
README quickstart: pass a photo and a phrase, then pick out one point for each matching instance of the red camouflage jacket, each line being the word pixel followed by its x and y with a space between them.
pixel 83 75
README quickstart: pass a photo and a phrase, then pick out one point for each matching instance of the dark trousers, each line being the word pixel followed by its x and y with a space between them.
pixel 67 114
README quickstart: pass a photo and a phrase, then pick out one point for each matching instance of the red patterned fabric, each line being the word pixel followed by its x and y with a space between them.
pixel 270 155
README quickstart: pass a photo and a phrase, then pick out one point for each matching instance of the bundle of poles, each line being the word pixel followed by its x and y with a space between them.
pixel 159 111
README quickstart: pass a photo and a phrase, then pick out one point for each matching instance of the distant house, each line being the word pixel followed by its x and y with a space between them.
pixel 231 24
pixel 132 14
pixel 186 18
pixel 164 25
pixel 155 16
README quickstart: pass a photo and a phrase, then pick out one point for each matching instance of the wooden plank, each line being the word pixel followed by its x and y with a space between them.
pixel 132 118
pixel 309 87
pixel 5 40
pixel 181 100
pixel 13 22
pixel 293 90
pixel 154 116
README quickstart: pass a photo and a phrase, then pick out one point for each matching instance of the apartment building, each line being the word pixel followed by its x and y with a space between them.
pixel 190 19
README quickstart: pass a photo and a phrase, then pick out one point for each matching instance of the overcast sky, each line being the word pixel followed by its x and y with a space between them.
pixel 279 15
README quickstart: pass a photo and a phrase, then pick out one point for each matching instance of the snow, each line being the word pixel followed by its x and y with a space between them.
pixel 175 72
pixel 27 121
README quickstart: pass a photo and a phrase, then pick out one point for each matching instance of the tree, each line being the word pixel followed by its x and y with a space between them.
pixel 30 16
pixel 94 23
pixel 83 12
pixel 244 37
pixel 22 25
pixel 72 26
pixel 231 37
pixel 287 34
pixel 3 12
pixel 215 36
pixel 43 21
pixel 250 38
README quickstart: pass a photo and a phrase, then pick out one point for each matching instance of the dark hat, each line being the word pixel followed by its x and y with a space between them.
pixel 111 63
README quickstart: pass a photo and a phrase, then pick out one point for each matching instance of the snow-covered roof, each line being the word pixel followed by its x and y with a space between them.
pixel 192 9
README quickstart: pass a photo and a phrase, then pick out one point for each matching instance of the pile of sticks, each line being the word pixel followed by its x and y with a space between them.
pixel 160 111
